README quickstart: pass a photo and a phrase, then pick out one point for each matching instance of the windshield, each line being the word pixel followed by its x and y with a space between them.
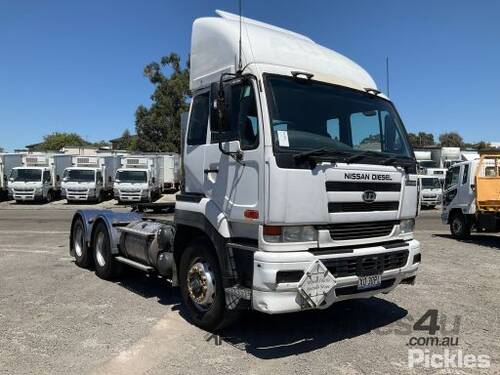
pixel 427 164
pixel 131 176
pixel 26 175
pixel 308 115
pixel 431 183
pixel 78 175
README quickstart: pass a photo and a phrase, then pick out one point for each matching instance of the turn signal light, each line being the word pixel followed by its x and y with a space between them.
pixel 272 230
pixel 251 214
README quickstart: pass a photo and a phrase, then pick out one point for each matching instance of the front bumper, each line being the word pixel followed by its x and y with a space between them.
pixel 271 297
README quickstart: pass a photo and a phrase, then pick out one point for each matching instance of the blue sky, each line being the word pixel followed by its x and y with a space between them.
pixel 77 65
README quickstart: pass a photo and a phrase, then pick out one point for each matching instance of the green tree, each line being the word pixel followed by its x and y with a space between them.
pixel 56 141
pixel 421 139
pixel 158 127
pixel 452 139
pixel 125 142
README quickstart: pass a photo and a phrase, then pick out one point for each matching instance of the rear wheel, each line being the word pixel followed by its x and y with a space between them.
pixel 106 267
pixel 83 257
pixel 201 288
pixel 460 227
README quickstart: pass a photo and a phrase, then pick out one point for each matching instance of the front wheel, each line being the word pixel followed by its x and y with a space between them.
pixel 106 267
pixel 201 288
pixel 50 197
pixel 460 227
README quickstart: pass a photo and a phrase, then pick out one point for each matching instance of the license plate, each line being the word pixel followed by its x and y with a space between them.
pixel 368 282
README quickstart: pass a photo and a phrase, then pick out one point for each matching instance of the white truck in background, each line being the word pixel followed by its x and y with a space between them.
pixel 471 198
pixel 300 186
pixel 424 160
pixel 39 179
pixel 431 191
pixel 90 178
pixel 450 156
pixel 7 162
pixel 171 171
pixel 139 179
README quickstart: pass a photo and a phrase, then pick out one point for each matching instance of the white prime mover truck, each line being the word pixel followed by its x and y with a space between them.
pixel 139 179
pixel 90 178
pixel 7 162
pixel 39 179
pixel 300 186
pixel 472 196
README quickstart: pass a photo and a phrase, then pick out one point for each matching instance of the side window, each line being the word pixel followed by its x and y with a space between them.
pixel 365 129
pixel 452 177
pixel 244 125
pixel 465 177
pixel 99 177
pixel 198 121
pixel 46 176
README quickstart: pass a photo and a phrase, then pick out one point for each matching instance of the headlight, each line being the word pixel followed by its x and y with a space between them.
pixel 277 234
pixel 407 226
pixel 38 190
pixel 91 192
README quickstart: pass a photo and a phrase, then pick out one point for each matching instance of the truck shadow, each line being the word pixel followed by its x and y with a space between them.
pixel 486 240
pixel 278 336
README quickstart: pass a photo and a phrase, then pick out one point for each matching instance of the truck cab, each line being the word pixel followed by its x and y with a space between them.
pixel 82 184
pixel 431 191
pixel 300 185
pixel 31 184
pixel 90 178
pixel 140 179
pixel 471 198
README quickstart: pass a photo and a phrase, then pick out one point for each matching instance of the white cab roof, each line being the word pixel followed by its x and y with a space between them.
pixel 215 46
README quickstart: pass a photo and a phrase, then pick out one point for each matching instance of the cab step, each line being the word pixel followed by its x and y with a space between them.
pixel 133 263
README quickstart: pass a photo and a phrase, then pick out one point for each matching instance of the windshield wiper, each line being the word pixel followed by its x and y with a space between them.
pixel 321 152
pixel 400 159
pixel 362 155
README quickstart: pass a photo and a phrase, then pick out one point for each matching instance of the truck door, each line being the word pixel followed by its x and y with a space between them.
pixel 234 185
pixel 451 187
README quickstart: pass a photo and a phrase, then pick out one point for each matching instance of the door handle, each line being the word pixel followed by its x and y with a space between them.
pixel 207 171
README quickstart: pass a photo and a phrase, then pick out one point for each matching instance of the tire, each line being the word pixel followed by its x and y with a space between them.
pixel 205 306
pixel 50 197
pixel 83 256
pixel 460 227
pixel 106 267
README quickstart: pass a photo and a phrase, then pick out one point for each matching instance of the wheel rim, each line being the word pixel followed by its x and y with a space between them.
pixel 78 241
pixel 457 225
pixel 201 284
pixel 99 249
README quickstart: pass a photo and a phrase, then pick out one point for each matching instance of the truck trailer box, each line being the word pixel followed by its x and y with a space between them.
pixel 8 161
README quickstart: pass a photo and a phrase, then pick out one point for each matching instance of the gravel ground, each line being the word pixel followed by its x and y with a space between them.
pixel 56 318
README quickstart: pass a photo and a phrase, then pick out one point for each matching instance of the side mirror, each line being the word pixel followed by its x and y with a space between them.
pixel 65 179
pixel 153 180
pixel 57 178
pixel 110 179
pixel 219 108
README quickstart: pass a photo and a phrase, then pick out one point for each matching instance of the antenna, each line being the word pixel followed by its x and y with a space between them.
pixel 387 74
pixel 239 57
